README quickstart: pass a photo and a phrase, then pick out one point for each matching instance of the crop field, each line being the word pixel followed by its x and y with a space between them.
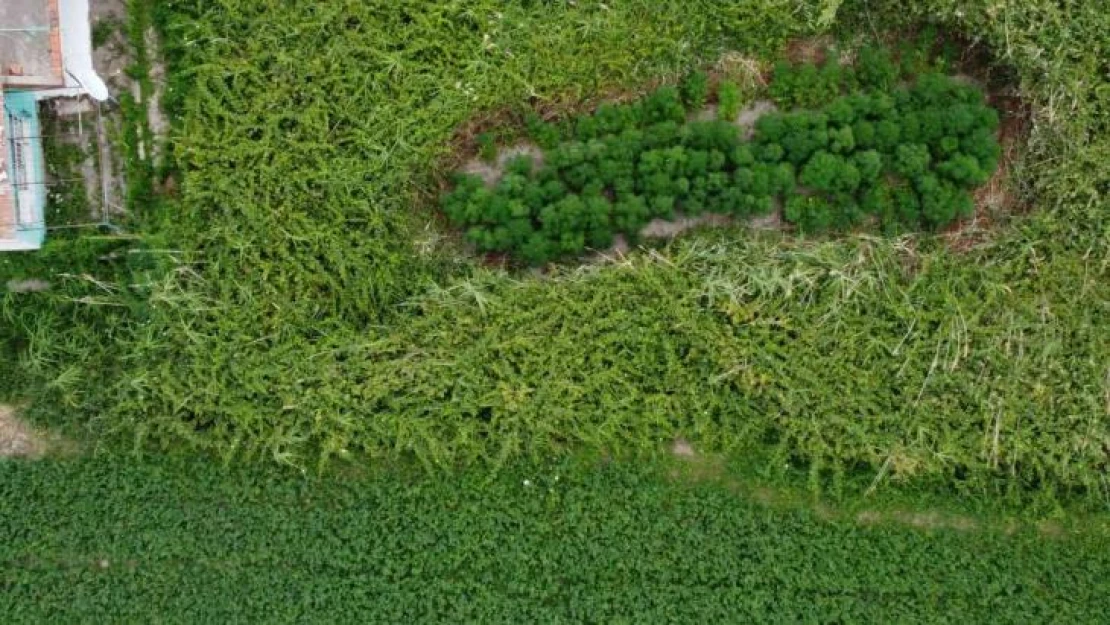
pixel 399 254
pixel 188 542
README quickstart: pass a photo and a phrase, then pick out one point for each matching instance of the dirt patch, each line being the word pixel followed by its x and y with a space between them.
pixel 770 221
pixel 491 173
pixel 999 198
pixel 809 50
pixel 112 57
pixel 682 448
pixel 750 115
pixel 745 120
pixel 17 439
pixel 920 519
pixel 158 122
pixel 663 229
pixel 28 286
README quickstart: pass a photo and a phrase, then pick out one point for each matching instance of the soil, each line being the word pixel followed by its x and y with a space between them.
pixel 920 519
pixel 682 448
pixel 33 285
pixel 159 125
pixel 112 58
pixel 17 440
pixel 491 173
pixel 750 115
pixel 809 49
pixel 663 229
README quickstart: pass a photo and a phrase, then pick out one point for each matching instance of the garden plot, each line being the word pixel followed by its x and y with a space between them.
pixel 491 174
pixel 840 147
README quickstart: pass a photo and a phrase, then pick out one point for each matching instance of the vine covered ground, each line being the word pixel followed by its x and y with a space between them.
pixel 293 296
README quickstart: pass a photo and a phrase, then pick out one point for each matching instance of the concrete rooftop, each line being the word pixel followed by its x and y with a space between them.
pixel 30 44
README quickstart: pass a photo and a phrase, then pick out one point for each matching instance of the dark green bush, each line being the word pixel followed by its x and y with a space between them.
pixel 545 135
pixel 664 105
pixel 876 69
pixel 911 160
pixel 830 173
pixel 806 85
pixel 810 213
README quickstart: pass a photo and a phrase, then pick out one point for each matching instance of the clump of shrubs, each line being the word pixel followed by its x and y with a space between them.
pixel 856 149
pixel 905 156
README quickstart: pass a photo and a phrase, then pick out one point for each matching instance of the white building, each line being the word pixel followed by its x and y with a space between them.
pixel 45 51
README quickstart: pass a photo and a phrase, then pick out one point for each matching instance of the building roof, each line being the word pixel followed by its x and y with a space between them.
pixel 30 44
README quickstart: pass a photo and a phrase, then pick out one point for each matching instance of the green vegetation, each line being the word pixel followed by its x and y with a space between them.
pixel 297 295
pixel 135 137
pixel 695 91
pixel 67 201
pixel 345 417
pixel 728 101
pixel 102 541
pixel 906 157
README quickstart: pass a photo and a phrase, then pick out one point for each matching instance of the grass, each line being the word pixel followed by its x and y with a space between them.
pixel 285 305
pixel 184 541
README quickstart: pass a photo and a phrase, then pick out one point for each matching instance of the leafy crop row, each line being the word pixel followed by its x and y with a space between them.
pixel 101 541
pixel 903 156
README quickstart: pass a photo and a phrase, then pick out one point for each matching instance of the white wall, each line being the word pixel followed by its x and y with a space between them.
pixel 77 59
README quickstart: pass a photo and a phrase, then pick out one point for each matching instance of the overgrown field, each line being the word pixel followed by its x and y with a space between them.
pixel 185 542
pixel 296 297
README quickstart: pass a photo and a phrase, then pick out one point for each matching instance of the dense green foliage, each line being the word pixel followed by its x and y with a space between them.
pixel 294 298
pixel 906 157
pixel 97 542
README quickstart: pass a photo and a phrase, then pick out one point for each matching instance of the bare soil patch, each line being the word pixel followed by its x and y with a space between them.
pixel 17 439
pixel 491 173
pixel 920 519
